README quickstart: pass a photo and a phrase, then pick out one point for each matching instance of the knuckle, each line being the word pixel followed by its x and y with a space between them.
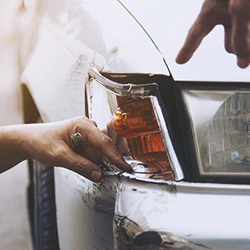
pixel 193 33
pixel 81 127
pixel 239 7
pixel 241 49
pixel 211 9
pixel 93 122
pixel 80 121
pixel 80 166
pixel 116 154
pixel 107 140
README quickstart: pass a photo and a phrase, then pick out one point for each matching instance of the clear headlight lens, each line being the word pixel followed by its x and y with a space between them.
pixel 220 124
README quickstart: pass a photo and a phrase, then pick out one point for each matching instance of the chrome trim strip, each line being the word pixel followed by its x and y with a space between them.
pixel 88 99
pixel 179 175
pixel 123 89
pixel 196 187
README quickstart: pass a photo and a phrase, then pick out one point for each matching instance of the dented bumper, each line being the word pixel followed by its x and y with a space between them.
pixel 181 216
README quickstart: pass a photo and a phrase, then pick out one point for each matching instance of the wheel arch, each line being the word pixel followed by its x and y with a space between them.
pixel 31 113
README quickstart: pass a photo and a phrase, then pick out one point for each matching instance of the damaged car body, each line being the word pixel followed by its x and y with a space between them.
pixel 184 131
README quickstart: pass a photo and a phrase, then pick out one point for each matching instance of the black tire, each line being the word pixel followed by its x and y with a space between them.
pixel 42 207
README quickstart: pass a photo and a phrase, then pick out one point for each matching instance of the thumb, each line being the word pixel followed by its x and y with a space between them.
pixel 75 162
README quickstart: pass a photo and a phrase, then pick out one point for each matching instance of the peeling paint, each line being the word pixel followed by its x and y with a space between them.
pixel 130 236
pixel 142 177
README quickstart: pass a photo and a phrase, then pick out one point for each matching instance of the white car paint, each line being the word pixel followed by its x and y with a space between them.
pixel 168 22
pixel 57 71
pixel 75 34
pixel 172 211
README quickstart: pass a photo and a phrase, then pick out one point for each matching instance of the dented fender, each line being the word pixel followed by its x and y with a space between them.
pixel 180 216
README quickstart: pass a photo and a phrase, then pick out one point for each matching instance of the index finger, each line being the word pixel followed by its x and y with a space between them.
pixel 201 27
pixel 240 12
pixel 101 141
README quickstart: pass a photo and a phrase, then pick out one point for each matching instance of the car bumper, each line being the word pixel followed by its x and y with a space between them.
pixel 181 216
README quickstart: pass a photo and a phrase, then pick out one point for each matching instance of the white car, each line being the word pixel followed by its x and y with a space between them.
pixel 183 129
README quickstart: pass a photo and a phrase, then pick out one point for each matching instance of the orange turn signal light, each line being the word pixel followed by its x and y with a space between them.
pixel 135 120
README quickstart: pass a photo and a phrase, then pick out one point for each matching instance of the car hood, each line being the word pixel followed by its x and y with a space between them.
pixel 167 23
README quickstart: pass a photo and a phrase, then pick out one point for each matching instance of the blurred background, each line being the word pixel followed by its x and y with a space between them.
pixel 16 25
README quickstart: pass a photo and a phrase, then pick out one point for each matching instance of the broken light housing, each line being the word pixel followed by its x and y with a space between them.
pixel 134 120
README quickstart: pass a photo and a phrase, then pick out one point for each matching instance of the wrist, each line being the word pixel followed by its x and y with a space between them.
pixel 16 139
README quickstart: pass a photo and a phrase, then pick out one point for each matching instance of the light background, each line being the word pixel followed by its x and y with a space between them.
pixel 14 222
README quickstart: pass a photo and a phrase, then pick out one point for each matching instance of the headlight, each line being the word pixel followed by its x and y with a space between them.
pixel 219 122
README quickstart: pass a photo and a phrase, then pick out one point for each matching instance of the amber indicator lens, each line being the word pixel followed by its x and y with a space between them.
pixel 135 120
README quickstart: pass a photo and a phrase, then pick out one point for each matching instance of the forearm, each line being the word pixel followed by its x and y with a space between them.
pixel 12 148
pixel 51 144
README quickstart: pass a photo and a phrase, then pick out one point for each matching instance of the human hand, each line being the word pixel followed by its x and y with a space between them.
pixel 51 144
pixel 234 15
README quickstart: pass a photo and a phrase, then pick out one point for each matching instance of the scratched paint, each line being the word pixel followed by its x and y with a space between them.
pixel 172 215
pixel 98 200
pixel 101 197
pixel 179 216
pixel 130 236
pixel 162 215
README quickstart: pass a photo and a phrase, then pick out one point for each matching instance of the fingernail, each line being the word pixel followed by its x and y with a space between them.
pixel 131 170
pixel 127 166
pixel 179 60
pixel 96 176
pixel 242 62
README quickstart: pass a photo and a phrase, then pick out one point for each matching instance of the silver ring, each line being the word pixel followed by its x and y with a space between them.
pixel 76 137
pixel 76 140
